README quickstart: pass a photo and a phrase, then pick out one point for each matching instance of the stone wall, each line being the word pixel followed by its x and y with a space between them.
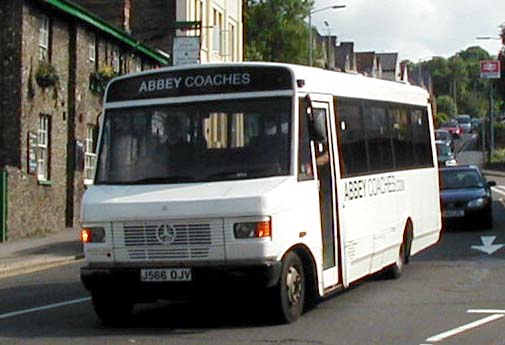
pixel 10 102
pixel 36 208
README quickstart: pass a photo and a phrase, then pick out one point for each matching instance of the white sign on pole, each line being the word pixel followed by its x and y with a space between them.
pixel 186 50
pixel 490 69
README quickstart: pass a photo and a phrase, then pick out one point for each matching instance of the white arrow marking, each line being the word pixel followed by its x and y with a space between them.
pixel 488 246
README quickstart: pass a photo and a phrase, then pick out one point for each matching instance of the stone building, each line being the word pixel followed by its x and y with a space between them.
pixel 215 25
pixel 54 63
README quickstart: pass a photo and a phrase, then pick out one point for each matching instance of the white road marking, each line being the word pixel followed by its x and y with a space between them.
pixel 486 311
pixel 461 329
pixel 45 307
pixel 487 245
pixel 499 190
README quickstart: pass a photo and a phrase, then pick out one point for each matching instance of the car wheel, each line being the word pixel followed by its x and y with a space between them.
pixel 488 220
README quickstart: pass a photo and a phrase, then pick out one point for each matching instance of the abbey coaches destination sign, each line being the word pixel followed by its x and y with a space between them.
pixel 200 81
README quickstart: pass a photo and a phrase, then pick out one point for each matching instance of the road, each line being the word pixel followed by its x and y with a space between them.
pixel 450 294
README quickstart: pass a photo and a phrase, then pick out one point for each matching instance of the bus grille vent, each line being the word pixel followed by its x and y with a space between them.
pixel 167 241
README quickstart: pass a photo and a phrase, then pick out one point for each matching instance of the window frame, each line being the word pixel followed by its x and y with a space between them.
pixel 43 148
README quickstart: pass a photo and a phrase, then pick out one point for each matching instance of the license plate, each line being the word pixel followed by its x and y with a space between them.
pixel 453 213
pixel 166 275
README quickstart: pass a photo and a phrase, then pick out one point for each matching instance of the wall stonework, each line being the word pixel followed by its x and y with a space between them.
pixel 10 70
pixel 37 208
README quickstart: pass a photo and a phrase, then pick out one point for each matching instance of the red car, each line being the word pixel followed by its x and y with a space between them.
pixel 452 127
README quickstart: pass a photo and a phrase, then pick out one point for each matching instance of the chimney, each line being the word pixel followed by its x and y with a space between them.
pixel 126 15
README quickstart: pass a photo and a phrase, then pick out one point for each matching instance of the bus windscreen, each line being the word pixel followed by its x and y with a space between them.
pixel 196 142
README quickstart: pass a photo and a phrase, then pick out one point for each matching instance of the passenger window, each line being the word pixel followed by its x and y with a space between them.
pixel 304 156
pixel 402 137
pixel 351 134
pixel 421 137
pixel 378 137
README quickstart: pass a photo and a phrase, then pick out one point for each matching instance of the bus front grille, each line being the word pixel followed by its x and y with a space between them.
pixel 166 241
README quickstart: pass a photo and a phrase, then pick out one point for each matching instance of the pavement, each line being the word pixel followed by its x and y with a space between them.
pixel 32 254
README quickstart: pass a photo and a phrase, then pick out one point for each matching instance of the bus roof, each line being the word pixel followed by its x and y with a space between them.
pixel 317 80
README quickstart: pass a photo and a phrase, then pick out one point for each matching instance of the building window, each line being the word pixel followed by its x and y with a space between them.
pixel 43 146
pixel 217 46
pixel 231 52
pixel 92 49
pixel 115 61
pixel 44 38
pixel 90 154
pixel 136 64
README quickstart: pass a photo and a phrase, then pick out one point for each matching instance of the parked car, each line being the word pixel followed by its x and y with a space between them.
pixel 476 123
pixel 464 122
pixel 445 136
pixel 466 196
pixel 445 155
pixel 453 127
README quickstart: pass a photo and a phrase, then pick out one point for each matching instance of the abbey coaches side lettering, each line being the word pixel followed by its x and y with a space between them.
pixel 200 81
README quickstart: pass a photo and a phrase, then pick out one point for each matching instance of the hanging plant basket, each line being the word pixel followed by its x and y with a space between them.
pixel 98 80
pixel 46 75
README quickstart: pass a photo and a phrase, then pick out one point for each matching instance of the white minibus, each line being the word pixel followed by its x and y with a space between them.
pixel 290 180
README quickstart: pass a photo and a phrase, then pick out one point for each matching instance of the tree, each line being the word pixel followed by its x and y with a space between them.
pixel 276 30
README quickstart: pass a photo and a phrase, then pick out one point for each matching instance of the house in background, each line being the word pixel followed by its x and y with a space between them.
pixel 368 64
pixel 390 66
pixel 345 58
pixel 215 25
pixel 55 61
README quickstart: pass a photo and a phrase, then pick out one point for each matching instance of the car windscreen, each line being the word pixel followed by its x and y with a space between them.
pixel 460 179
pixel 194 142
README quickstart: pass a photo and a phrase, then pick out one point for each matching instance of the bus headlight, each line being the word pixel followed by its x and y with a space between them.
pixel 93 235
pixel 252 229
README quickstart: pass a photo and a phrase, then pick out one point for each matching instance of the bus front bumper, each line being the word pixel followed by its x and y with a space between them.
pixel 96 277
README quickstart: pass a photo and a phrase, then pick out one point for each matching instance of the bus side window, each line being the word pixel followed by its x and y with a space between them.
pixel 304 156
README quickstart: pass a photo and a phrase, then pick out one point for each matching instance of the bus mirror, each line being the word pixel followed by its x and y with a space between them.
pixel 317 121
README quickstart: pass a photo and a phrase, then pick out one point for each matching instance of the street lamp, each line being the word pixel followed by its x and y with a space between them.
pixel 329 43
pixel 332 7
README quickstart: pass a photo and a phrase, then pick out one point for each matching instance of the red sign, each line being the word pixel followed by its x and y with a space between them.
pixel 490 69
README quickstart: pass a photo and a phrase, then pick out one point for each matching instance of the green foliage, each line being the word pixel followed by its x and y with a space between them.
pixel 499 135
pixel 98 80
pixel 446 105
pixel 276 30
pixel 46 75
pixel 458 78
pixel 498 156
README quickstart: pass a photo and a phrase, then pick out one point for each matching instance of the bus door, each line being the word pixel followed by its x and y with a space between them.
pixel 325 168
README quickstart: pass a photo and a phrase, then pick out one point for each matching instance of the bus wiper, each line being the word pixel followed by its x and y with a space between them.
pixel 242 174
pixel 164 179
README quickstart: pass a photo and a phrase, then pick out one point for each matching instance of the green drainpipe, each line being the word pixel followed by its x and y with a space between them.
pixel 3 206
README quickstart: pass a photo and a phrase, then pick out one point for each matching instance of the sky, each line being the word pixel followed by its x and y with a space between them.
pixel 416 29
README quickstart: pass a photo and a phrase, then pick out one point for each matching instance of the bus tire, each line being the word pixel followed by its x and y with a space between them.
pixel 289 294
pixel 112 308
pixel 395 270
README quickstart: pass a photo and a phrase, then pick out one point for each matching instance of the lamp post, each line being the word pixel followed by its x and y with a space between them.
pixel 333 7
pixel 329 42
pixel 491 104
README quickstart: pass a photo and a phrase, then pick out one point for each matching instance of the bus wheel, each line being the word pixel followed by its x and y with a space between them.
pixel 112 308
pixel 396 270
pixel 289 294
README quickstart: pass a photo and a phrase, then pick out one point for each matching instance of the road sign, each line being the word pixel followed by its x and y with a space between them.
pixel 490 69
pixel 186 50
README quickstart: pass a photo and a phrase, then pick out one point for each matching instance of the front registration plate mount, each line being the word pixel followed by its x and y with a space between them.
pixel 166 275
pixel 453 213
